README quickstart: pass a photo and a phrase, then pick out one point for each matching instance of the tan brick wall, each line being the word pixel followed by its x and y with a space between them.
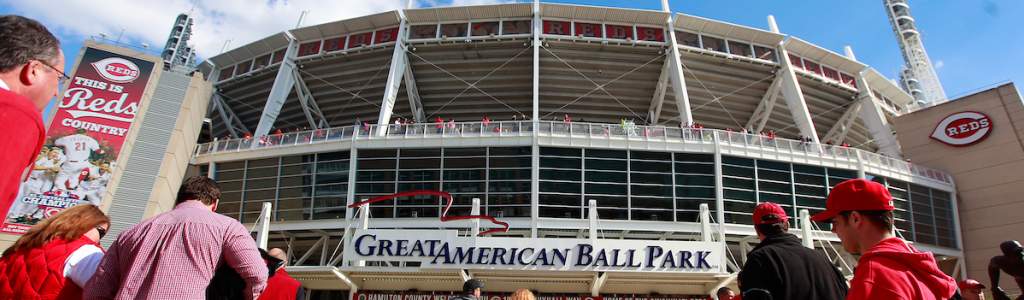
pixel 989 175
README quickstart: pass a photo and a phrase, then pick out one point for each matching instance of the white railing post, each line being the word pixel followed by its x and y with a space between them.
pixel 592 217
pixel 476 212
pixel 705 222
pixel 805 227
pixel 263 226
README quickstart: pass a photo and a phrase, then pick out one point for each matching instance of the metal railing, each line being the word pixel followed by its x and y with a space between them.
pixel 570 130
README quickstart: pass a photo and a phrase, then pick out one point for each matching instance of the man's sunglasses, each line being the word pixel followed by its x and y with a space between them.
pixel 102 231
pixel 62 76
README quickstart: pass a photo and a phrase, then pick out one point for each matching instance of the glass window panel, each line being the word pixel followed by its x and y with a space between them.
pixel 737 161
pixel 688 38
pixel 713 43
pixel 336 190
pixel 651 190
pixel 467 162
pixel 464 187
pixel 261 172
pixel 428 31
pixel 332 166
pixel 569 152
pixel 652 215
pixel 329 156
pixel 377 153
pixel 420 175
pixel 563 200
pixel 695 168
pixel 613 214
pixel 376 164
pixel 606 189
pixel 764 174
pixel 560 212
pixel 326 178
pixel 695 180
pixel 411 186
pixel 694 157
pixel 765 53
pixel 261 183
pixel 485 28
pixel 509 211
pixel 516 27
pixel 517 186
pixel 741 183
pixel 299 169
pixel 741 49
pixel 612 177
pixel 463 175
pixel 549 174
pixel 234 165
pixel 514 174
pixel 385 35
pixel 301 180
pixel 508 199
pixel 510 162
pixel 560 162
pixel 419 163
pixel 739 195
pixel 810 190
pixel 510 151
pixel 809 179
pixel 375 176
pixel 606 164
pixel 295 192
pixel 650 166
pixel 375 188
pixel 648 178
pixel 454 30
pixel 649 155
pixel 268 162
pixel 737 171
pixel 429 152
pixel 334 44
pixel 695 192
pixel 418 212
pixel 359 39
pixel 225 186
pixel 601 153
pixel 560 187
pixel 608 201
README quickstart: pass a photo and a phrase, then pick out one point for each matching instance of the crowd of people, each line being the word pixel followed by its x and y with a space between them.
pixel 192 252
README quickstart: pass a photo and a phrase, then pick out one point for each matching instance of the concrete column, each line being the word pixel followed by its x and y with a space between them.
pixel 675 69
pixel 792 92
pixel 279 91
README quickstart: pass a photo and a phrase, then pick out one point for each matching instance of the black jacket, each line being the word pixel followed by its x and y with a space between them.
pixel 788 270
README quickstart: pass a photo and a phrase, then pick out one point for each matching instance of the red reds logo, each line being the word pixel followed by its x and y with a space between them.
pixel 117 69
pixel 963 128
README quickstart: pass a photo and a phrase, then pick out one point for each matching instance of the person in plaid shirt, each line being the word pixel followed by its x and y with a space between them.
pixel 174 255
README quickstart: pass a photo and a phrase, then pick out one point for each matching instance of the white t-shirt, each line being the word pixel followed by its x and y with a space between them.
pixel 77 147
pixel 82 263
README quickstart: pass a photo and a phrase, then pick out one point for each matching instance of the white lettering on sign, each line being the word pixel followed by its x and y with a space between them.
pixel 444 249
pixel 963 128
pixel 81 99
pixel 117 69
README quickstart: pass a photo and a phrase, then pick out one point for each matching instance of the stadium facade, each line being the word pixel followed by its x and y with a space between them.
pixel 608 128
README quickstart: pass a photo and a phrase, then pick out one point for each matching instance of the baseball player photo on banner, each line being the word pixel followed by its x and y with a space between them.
pixel 84 138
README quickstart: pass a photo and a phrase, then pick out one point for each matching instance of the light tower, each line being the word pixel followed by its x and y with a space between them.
pixel 918 76
pixel 177 52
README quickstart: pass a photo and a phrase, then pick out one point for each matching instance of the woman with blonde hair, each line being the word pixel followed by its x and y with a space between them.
pixel 56 257
pixel 522 294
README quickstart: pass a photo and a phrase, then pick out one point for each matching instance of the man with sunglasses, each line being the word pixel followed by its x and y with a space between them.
pixel 31 65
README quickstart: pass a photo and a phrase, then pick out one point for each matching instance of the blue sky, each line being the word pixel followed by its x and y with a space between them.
pixel 974 43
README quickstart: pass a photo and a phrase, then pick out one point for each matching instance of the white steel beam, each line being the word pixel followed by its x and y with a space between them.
pixel 399 63
pixel 595 285
pixel 873 117
pixel 231 121
pixel 764 108
pixel 314 116
pixel 413 93
pixel 535 147
pixel 654 112
pixel 792 92
pixel 678 81
pixel 309 252
pixel 838 132
pixel 280 90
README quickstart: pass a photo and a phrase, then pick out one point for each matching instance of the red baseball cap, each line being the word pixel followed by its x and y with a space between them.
pixel 766 209
pixel 970 284
pixel 855 194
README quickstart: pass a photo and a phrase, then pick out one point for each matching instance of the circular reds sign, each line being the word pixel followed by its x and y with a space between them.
pixel 963 128
pixel 117 69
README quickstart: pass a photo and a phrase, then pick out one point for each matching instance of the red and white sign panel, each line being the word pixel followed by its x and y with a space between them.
pixel 963 128
pixel 84 138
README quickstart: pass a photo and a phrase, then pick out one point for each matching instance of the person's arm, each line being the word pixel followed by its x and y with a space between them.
pixel 82 264
pixel 106 281
pixel 241 254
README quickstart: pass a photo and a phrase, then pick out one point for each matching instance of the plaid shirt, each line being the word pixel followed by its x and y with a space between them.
pixel 174 255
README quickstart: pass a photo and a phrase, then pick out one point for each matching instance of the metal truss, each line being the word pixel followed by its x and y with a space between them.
pixel 764 108
pixel 314 116
pixel 838 132
pixel 231 121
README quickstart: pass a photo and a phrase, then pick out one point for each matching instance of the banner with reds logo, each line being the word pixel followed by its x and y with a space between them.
pixel 84 138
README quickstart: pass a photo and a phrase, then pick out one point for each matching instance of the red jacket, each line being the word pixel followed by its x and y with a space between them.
pixel 894 270
pixel 281 286
pixel 21 139
pixel 38 273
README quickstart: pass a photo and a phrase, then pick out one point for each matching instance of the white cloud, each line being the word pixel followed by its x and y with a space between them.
pixel 241 21
pixel 939 64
